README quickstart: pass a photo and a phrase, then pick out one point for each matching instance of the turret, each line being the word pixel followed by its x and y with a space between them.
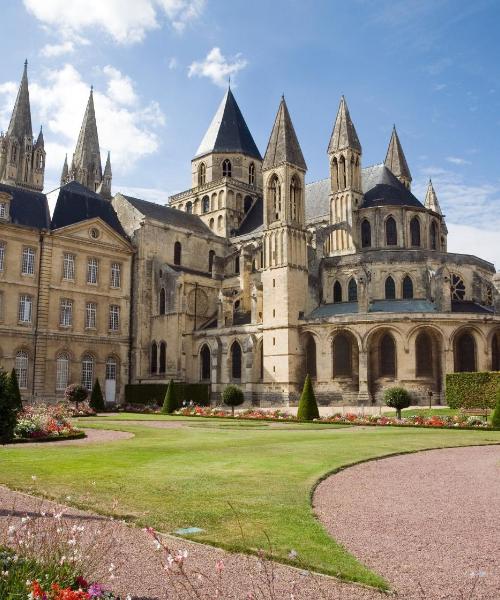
pixel 395 160
pixel 105 187
pixel 438 232
pixel 65 172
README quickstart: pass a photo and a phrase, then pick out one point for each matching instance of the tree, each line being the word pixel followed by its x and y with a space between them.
pixel 76 393
pixel 96 397
pixel 308 408
pixel 398 398
pixel 495 419
pixel 232 396
pixel 16 393
pixel 170 401
pixel 8 410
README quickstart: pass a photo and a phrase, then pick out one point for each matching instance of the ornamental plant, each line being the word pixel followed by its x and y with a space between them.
pixel 96 397
pixel 495 419
pixel 170 401
pixel 233 396
pixel 308 408
pixel 76 393
pixel 15 391
pixel 8 410
pixel 398 398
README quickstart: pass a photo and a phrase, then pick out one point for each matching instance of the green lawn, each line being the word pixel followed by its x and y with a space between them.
pixel 425 412
pixel 172 478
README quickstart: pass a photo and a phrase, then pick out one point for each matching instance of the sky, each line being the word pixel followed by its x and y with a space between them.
pixel 160 68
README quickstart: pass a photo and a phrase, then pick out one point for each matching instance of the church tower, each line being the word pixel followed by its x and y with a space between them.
pixel 395 160
pixel 344 152
pixel 22 160
pixel 285 269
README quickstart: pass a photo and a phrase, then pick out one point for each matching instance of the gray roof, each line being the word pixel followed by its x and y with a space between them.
pixel 331 310
pixel 395 159
pixel 27 208
pixel 20 121
pixel 283 145
pixel 228 131
pixel 402 306
pixel 344 133
pixel 87 153
pixel 317 199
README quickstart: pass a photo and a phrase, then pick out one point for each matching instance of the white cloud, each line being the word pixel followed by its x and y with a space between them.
pixel 8 91
pixel 173 63
pixel 55 50
pixel 217 67
pixel 125 21
pixel 149 194
pixel 474 240
pixel 120 87
pixel 456 160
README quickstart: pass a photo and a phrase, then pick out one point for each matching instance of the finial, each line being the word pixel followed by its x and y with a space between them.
pixel 92 89
pixel 229 82
pixel 26 63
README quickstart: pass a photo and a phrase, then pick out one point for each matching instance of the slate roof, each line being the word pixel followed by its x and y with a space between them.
pixel 468 306
pixel 331 310
pixel 317 199
pixel 27 208
pixel 395 159
pixel 253 221
pixel 228 131
pixel 20 121
pixel 77 203
pixel 344 133
pixel 402 306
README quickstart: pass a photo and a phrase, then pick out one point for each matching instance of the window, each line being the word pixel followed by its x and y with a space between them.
pixel 211 256
pixel 205 204
pixel 202 174
pixel 423 352
pixel 66 313
pixel 92 270
pixel 111 369
pixel 387 356
pixel 391 232
pixel 116 279
pixel 205 363
pixel 163 357
pixel 457 287
pixel 90 315
pixel 237 265
pixel 21 366
pixel 251 174
pixel 189 208
pixel 337 292
pixel 434 236
pixel 275 197
pixel 465 354
pixel 3 210
pixel 415 232
pixel 62 372
pixel 25 308
pixel 154 358
pixel 69 266
pixel 28 263
pixel 114 317
pixel 407 288
pixel 2 255
pixel 177 253
pixel 1 306
pixel 87 372
pixel 342 356
pixel 495 352
pixel 294 198
pixel 311 357
pixel 236 361
pixel 390 289
pixel 352 290
pixel 366 234
pixel 226 168
pixel 163 302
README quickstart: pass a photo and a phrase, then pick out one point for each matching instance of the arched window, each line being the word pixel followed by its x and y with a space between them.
pixel 275 197
pixel 163 303
pixel 342 356
pixel 434 236
pixel 88 371
pixel 424 355
pixel 387 356
pixel 495 352
pixel 294 198
pixel 391 232
pixel 366 234
pixel 205 363
pixel 457 287
pixel 202 174
pixel 220 223
pixel 261 369
pixel 236 361
pixel 390 289
pixel 337 292
pixel 211 256
pixel 211 223
pixel 163 358
pixel 237 265
pixel 335 175
pixel 226 168
pixel 407 288
pixel 205 204
pixel 154 358
pixel 62 372
pixel 21 366
pixel 189 207
pixel 465 353
pixel 352 290
pixel 342 179
pixel 251 174
pixel 311 357
pixel 415 232
pixel 177 253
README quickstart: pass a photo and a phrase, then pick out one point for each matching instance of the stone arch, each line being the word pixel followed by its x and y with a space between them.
pixel 205 358
pixel 310 350
pixel 345 355
pixel 236 361
pixel 213 201
pixel 465 352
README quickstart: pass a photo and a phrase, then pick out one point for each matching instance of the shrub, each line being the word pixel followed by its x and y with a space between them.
pixel 15 391
pixel 233 396
pixel 96 397
pixel 398 398
pixel 76 393
pixel 472 390
pixel 170 401
pixel 8 410
pixel 154 393
pixel 308 408
pixel 495 419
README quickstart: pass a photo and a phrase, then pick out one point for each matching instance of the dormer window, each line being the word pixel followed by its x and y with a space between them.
pixel 226 168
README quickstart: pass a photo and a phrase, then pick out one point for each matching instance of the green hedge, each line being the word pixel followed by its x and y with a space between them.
pixel 472 390
pixel 154 393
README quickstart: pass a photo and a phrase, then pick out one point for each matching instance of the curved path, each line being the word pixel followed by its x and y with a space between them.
pixel 430 519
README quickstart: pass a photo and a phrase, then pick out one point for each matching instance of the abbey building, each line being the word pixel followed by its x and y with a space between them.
pixel 251 276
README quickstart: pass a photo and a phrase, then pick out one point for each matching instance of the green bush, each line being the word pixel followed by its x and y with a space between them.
pixel 472 390
pixel 96 397
pixel 308 408
pixel 15 391
pixel 495 419
pixel 8 410
pixel 398 398
pixel 170 403
pixel 232 396
pixel 76 393
pixel 153 394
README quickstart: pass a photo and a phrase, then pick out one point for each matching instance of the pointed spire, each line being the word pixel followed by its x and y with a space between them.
pixel 344 133
pixel 40 141
pixel 395 160
pixel 431 201
pixel 20 121
pixel 107 168
pixel 87 154
pixel 65 172
pixel 283 145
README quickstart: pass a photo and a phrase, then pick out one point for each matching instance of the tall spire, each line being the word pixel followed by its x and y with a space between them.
pixel 344 133
pixel 20 121
pixel 87 146
pixel 431 201
pixel 40 141
pixel 107 168
pixel 395 160
pixel 283 145
pixel 65 171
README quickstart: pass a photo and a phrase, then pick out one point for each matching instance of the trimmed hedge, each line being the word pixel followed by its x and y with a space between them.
pixel 472 390
pixel 153 394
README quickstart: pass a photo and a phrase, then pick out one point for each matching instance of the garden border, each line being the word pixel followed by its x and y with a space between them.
pixel 74 436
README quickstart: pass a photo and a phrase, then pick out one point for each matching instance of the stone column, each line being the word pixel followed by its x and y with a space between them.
pixel 364 389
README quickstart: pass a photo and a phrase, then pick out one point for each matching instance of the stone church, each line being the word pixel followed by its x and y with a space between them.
pixel 251 276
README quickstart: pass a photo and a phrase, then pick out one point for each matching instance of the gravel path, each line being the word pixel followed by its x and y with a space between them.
pixel 431 518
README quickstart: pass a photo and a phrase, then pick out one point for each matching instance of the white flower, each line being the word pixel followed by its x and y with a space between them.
pixel 33 477
pixel 5 573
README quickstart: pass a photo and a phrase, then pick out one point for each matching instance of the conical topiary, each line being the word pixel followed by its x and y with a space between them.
pixel 308 409
pixel 495 419
pixel 15 391
pixel 96 397
pixel 170 401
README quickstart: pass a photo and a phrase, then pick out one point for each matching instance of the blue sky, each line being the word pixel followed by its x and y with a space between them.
pixel 159 69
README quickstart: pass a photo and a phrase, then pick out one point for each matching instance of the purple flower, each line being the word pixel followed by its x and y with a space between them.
pixel 95 590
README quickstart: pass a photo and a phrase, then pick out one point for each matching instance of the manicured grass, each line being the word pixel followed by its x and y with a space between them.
pixel 424 412
pixel 216 477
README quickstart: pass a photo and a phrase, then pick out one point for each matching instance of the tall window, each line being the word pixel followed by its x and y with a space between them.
pixel 237 265
pixel 390 289
pixel 3 210
pixel 21 366
pixel 92 270
pixel 391 232
pixel 342 174
pixel 407 288
pixel 434 236
pixel 25 308
pixel 236 361
pixel 177 253
pixel 111 368
pixel 251 174
pixel 352 290
pixel 116 275
pixel 62 372
pixel 294 198
pixel 189 207
pixel 465 353
pixel 415 232
pixel 69 266
pixel 202 174
pixel 311 369
pixel 226 168
pixel 342 356
pixel 114 317
pixel 66 313
pixel 163 301
pixel 423 352
pixel 276 197
pixel 2 255
pixel 154 358
pixel 366 234
pixel 205 204
pixel 337 292
pixel 163 358
pixel 88 371
pixel 90 315
pixel 28 263
pixel 457 287
pixel 211 256
pixel 387 356
pixel 205 363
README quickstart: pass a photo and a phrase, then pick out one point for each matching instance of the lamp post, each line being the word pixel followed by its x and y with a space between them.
pixel 430 394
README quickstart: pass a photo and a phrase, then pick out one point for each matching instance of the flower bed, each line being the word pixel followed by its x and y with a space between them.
pixel 45 423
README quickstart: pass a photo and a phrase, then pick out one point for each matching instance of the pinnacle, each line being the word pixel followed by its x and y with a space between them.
pixel 395 159
pixel 20 122
pixel 283 144
pixel 344 133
